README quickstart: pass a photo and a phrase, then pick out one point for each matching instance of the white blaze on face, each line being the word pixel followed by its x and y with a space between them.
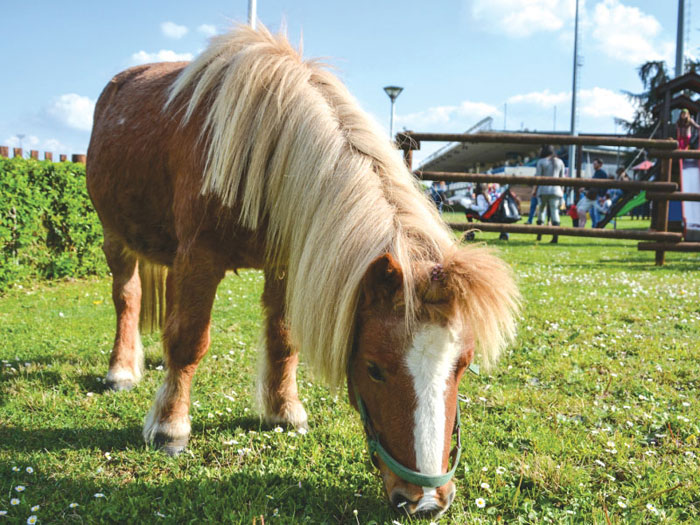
pixel 431 359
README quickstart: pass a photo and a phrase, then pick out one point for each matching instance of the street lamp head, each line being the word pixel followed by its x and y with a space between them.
pixel 393 91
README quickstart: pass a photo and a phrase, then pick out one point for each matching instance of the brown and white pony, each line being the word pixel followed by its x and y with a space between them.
pixel 251 157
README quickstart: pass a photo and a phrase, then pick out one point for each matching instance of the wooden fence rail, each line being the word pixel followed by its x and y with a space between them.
pixel 660 191
pixel 637 235
pixel 412 139
pixel 629 185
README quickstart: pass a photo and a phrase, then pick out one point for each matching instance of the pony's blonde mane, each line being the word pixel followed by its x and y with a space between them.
pixel 290 147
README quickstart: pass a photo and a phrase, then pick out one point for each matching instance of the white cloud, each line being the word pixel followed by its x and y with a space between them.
pixel 620 31
pixel 173 30
pixel 55 145
pixel 628 34
pixel 207 29
pixel 72 110
pixel 164 55
pixel 522 18
pixel 30 142
pixel 448 117
pixel 596 102
pixel 604 103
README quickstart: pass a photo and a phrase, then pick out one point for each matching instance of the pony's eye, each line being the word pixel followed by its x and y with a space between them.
pixel 375 372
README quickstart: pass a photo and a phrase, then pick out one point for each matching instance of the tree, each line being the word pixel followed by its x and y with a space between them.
pixel 652 74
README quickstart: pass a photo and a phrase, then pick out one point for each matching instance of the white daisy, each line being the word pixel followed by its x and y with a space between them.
pixel 30 470
pixel 480 502
pixel 19 488
pixel 35 508
pixel 73 505
pixel 14 501
pixel 31 520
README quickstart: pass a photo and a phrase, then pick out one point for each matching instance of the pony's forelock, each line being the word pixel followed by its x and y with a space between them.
pixel 289 146
pixel 486 296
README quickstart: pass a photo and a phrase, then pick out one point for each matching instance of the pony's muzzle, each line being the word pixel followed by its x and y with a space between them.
pixel 429 503
pixel 414 500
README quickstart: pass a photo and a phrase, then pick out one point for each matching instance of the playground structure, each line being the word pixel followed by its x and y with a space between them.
pixel 658 238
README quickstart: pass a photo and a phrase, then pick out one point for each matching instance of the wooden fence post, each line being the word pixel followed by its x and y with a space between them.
pixel 4 151
pixel 34 154
pixel 662 207
pixel 63 157
pixel 17 152
pixel 78 158
pixel 48 155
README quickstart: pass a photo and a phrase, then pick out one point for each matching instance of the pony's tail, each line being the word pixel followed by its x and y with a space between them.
pixel 152 296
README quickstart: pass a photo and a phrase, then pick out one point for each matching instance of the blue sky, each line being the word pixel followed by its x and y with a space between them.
pixel 458 60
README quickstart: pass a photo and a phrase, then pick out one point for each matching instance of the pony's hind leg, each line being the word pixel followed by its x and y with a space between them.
pixel 277 384
pixel 126 360
pixel 192 284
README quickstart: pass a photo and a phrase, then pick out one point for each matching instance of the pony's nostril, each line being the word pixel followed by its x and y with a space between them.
pixel 399 500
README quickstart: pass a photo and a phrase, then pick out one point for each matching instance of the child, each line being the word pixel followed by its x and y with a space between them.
pixel 683 131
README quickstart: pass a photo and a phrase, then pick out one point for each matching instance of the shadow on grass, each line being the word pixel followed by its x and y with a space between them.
pixel 238 497
pixel 52 439
pixel 107 439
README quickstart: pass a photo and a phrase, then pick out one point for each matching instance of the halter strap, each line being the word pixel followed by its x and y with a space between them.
pixel 405 473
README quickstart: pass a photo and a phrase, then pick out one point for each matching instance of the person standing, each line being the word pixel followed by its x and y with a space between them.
pixel 683 131
pixel 550 197
pixel 437 194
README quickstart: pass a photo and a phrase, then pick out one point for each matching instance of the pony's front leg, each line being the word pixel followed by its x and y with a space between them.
pixel 277 380
pixel 126 360
pixel 185 339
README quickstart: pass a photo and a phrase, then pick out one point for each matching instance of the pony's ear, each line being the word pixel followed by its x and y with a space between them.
pixel 437 288
pixel 383 279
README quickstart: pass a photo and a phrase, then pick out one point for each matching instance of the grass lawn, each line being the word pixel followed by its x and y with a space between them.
pixel 593 416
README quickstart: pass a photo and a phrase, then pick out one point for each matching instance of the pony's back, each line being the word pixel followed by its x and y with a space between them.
pixel 290 147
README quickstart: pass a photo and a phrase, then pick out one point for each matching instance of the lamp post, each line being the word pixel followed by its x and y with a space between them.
pixel 393 92
pixel 252 13
pixel 574 94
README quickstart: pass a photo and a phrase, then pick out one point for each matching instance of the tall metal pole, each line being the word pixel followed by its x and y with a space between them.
pixel 393 114
pixel 252 13
pixel 392 92
pixel 574 94
pixel 680 38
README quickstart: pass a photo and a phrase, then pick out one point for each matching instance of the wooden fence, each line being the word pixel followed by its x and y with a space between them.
pixel 660 192
pixel 34 154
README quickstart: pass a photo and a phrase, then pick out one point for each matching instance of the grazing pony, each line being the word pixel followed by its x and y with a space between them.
pixel 251 157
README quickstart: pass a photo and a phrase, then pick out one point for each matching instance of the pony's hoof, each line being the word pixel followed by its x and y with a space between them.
pixel 172 447
pixel 121 379
pixel 119 384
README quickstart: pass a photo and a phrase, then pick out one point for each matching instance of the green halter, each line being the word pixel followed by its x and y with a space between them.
pixel 407 474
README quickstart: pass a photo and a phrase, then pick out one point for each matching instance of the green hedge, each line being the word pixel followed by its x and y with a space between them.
pixel 48 227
